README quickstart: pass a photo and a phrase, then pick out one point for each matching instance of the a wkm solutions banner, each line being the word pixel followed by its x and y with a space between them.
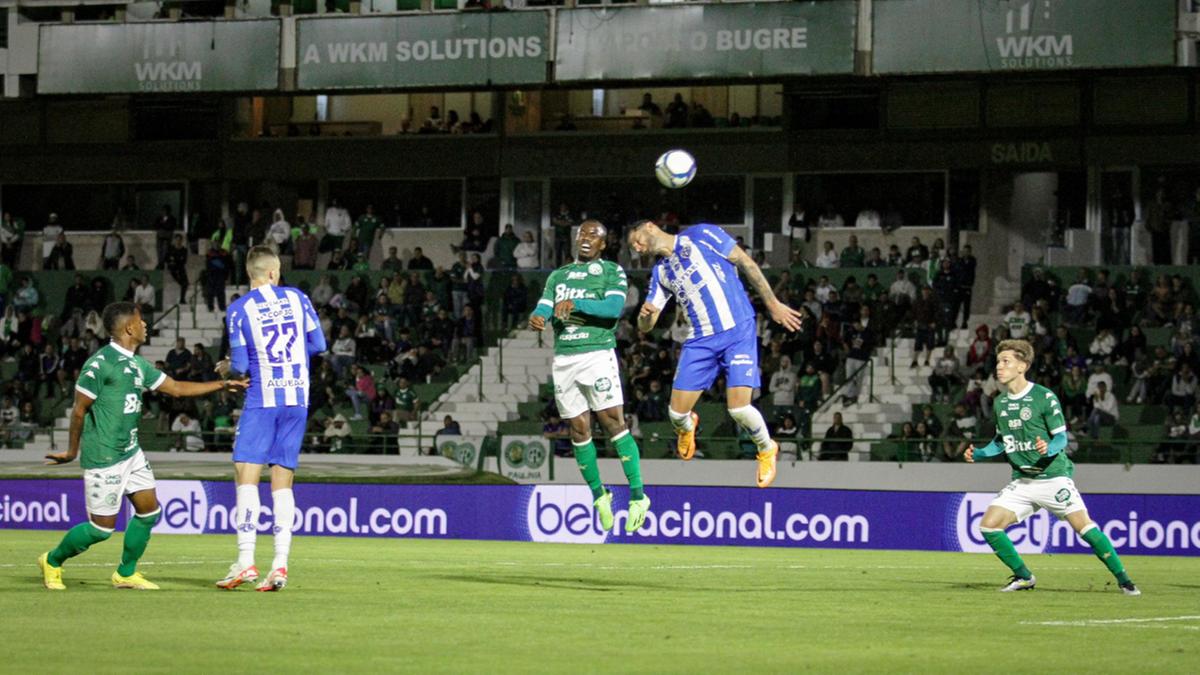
pixel 935 521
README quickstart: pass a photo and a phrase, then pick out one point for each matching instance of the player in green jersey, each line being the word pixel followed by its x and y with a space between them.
pixel 104 426
pixel 1026 415
pixel 583 300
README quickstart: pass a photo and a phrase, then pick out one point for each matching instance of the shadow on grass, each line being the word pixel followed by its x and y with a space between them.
pixel 579 584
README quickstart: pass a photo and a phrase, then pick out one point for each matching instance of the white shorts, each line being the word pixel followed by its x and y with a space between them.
pixel 587 381
pixel 105 487
pixel 1024 496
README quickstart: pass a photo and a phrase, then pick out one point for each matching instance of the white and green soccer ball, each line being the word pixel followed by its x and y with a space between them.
pixel 675 168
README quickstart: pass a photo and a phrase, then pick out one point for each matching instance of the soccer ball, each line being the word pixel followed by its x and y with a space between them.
pixel 675 168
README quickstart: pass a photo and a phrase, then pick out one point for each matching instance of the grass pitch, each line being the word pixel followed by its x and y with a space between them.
pixel 464 606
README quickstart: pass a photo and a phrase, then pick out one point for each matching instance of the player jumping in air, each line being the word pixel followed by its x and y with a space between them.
pixel 1026 415
pixel 700 266
pixel 104 427
pixel 273 332
pixel 584 300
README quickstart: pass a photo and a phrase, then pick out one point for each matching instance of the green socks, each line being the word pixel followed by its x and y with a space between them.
pixel 1006 552
pixel 627 449
pixel 77 540
pixel 1104 550
pixel 585 457
pixel 137 535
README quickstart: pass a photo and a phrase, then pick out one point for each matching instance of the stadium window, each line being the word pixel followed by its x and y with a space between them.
pixel 964 200
pixel 180 119
pixel 888 199
pixel 416 204
pixel 1140 101
pixel 834 110
pixel 620 201
pixel 3 28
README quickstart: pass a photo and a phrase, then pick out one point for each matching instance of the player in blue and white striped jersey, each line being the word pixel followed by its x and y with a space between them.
pixel 273 333
pixel 700 268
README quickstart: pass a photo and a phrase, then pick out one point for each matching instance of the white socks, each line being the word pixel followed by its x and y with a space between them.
pixel 752 421
pixel 285 516
pixel 681 421
pixel 245 521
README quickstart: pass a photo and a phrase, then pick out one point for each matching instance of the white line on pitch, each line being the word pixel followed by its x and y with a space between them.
pixel 1110 622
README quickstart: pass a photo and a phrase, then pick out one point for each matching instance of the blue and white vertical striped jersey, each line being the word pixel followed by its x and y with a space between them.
pixel 273 331
pixel 705 283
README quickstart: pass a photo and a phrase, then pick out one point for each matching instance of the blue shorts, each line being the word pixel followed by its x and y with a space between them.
pixel 270 436
pixel 734 352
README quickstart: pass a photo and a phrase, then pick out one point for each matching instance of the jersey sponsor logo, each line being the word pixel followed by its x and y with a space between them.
pixel 1012 445
pixel 133 404
pixel 563 292
pixel 572 333
pixel 575 276
pixel 1015 424
pixel 742 360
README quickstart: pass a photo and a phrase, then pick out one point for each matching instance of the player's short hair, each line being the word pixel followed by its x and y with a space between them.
pixel 116 314
pixel 260 260
pixel 594 223
pixel 640 224
pixel 1021 348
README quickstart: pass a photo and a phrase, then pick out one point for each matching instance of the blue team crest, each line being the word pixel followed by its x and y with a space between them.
pixel 685 251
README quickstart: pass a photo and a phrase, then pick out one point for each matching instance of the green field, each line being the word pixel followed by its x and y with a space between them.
pixel 464 606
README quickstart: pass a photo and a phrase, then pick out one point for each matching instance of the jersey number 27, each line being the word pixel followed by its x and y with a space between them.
pixel 274 333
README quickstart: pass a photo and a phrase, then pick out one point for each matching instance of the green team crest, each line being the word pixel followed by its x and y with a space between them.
pixel 519 453
pixel 462 452
pixel 1063 496
pixel 603 384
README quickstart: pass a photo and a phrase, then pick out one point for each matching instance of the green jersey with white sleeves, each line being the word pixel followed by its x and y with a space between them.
pixel 1022 419
pixel 115 379
pixel 595 280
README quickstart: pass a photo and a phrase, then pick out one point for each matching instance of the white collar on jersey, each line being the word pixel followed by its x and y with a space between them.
pixel 121 349
pixel 1023 393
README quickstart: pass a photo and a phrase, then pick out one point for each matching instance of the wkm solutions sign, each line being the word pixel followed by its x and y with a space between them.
pixel 159 57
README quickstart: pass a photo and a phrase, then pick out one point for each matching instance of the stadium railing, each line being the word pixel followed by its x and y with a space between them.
pixel 900 451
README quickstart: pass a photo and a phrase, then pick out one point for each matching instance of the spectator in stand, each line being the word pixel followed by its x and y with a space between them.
pixel 1103 346
pixel 916 251
pixel 902 292
pixel 74 356
pixel 164 230
pixel 279 234
pixel 961 429
pixel 179 361
pixel 925 322
pixel 12 232
pixel 1074 397
pixel 187 434
pixel 367 230
pixel 385 434
pixel 458 284
pixel 558 433
pixel 1098 376
pixel 49 238
pixel 858 345
pixel 1182 396
pixel 677 113
pixel 875 258
pixel 562 224
pixel 216 272
pixel 649 107
pixel 1017 321
pixel 980 348
pixel 62 254
pixel 653 407
pixel 337 431
pixel 344 350
pixel 945 376
pixel 131 265
pixel 945 289
pixel 363 390
pixel 146 298
pixel 112 250
pixel 177 255
pixel 1105 412
pixel 337 227
pixel 839 440
pixel 830 218
pixel 853 255
pixel 338 261
pixel 963 270
pixel 26 298
pixel 306 248
pixel 825 365
pixel 467 331
pixel 51 363
pixel 418 261
pixel 1078 298
pixel 506 247
pixel 408 405
pixel 1048 371
pixel 392 263
pixel 783 384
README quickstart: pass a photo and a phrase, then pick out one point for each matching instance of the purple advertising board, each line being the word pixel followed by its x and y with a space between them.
pixel 932 521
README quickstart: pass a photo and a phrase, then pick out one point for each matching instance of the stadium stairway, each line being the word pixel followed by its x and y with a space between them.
pixel 525 367
pixel 894 399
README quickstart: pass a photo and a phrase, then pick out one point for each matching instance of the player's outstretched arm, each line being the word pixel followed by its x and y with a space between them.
pixel 173 387
pixel 779 312
pixel 82 403
pixel 647 317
